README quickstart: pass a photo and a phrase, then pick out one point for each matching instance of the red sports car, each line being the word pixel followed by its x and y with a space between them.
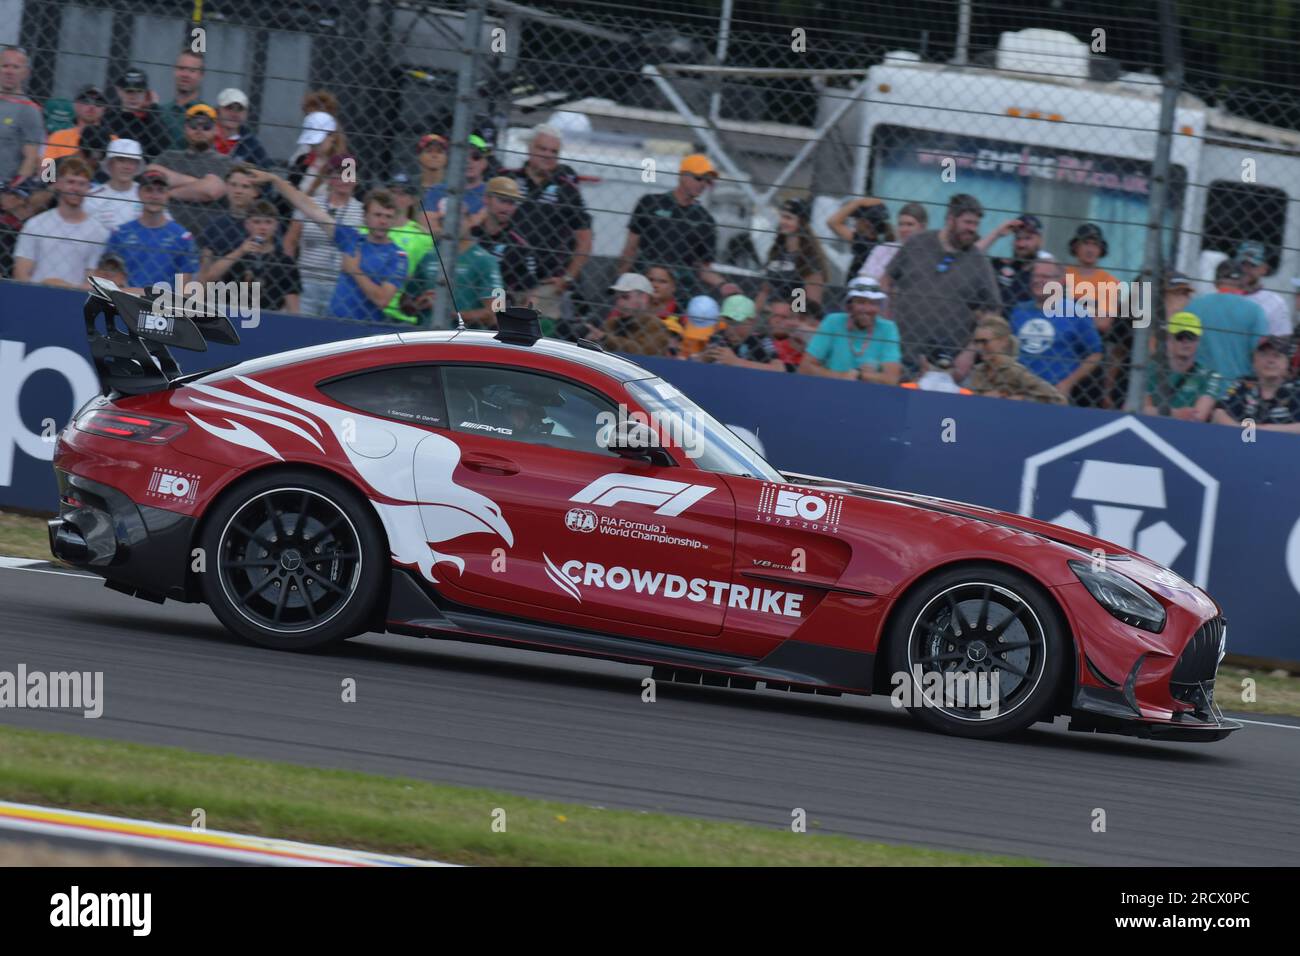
pixel 513 489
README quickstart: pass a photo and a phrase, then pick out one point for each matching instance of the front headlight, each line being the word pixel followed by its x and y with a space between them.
pixel 1123 598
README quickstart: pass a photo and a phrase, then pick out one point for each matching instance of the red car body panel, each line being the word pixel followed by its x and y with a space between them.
pixel 574 540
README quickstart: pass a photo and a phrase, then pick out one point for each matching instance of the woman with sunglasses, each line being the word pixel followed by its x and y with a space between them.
pixel 795 261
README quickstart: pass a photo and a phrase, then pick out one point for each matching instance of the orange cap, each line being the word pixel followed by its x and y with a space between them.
pixel 697 164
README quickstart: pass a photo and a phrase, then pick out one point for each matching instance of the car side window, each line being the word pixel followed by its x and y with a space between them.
pixel 408 393
pixel 525 406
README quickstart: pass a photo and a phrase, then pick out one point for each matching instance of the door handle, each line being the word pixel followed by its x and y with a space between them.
pixel 490 464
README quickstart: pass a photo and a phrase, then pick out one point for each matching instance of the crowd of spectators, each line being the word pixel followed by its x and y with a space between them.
pixel 156 192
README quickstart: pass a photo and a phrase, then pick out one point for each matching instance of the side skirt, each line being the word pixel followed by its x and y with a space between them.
pixel 792 665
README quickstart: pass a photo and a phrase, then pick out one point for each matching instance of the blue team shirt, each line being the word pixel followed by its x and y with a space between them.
pixel 471 201
pixel 154 255
pixel 380 262
pixel 1053 346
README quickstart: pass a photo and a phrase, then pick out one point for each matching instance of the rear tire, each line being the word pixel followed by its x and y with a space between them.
pixel 996 633
pixel 295 561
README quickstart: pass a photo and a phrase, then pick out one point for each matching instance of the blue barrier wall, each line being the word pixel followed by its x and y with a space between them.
pixel 1220 511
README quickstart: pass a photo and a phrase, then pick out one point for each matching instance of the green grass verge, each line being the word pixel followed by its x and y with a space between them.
pixel 407 817
pixel 23 537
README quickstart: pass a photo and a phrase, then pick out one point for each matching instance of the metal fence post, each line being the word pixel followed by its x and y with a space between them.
pixel 462 118
pixel 1153 259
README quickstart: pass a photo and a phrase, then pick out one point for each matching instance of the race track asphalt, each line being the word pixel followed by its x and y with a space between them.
pixel 578 730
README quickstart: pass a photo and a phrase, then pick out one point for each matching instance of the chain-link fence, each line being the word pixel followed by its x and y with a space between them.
pixel 1015 201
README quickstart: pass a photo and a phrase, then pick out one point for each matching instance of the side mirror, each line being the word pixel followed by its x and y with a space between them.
pixel 634 441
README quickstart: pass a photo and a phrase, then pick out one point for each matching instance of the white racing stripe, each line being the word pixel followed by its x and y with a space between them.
pixel 1265 723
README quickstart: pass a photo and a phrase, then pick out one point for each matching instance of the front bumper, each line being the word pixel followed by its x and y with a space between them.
pixel 137 549
pixel 1187 683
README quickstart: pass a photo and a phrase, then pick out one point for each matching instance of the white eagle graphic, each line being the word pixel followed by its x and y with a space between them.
pixel 398 462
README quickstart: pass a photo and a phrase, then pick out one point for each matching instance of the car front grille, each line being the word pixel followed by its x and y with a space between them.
pixel 1193 679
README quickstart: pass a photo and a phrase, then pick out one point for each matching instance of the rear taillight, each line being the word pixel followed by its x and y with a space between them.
pixel 110 424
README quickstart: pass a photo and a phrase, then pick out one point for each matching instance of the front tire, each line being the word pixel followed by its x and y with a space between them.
pixel 980 650
pixel 295 561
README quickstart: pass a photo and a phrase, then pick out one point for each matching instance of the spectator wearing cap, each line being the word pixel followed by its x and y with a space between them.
pixel 1177 291
pixel 790 331
pixel 318 257
pixel 112 268
pixel 795 261
pixel 15 210
pixel 410 235
pixel 235 137
pixel 226 229
pixel 476 283
pixel 1014 271
pixel 1179 386
pixel 22 124
pixel 496 233
pixel 1269 397
pixel 93 148
pixel 935 374
pixel 862 222
pixel 630 326
pixel 475 188
pixel 912 219
pixel 116 201
pixel 997 374
pixel 431 157
pixel 739 343
pixel 197 174
pixel 553 218
pixel 321 140
pixel 136 118
pixel 1231 324
pixel 372 268
pixel 60 246
pixel 858 343
pixel 155 249
pixel 1058 340
pixel 259 262
pixel 1100 292
pixel 673 229
pixel 692 330
pixel 187 80
pixel 940 278
pixel 1254 267
pixel 88 109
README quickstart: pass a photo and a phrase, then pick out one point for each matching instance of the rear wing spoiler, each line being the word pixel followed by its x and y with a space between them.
pixel 130 351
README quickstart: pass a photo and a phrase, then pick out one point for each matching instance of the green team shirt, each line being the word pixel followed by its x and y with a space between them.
pixel 478 277
pixel 416 242
pixel 1182 389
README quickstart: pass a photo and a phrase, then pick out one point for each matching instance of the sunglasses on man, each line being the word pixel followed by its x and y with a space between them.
pixel 203 124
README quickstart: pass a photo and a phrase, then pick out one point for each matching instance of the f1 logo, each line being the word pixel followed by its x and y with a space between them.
pixel 670 498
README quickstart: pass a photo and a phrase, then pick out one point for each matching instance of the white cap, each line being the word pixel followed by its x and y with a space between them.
pixel 864 287
pixel 632 282
pixel 315 127
pixel 124 149
pixel 230 96
pixel 702 309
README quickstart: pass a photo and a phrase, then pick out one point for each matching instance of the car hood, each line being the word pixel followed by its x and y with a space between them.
pixel 1044 529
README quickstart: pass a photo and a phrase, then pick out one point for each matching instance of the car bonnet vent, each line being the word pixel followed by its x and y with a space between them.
pixel 519 326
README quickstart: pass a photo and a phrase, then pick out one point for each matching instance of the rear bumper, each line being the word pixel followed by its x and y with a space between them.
pixel 137 549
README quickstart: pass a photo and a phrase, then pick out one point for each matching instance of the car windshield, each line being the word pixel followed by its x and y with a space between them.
pixel 710 444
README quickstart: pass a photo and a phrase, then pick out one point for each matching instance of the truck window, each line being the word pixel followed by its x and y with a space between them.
pixel 1235 212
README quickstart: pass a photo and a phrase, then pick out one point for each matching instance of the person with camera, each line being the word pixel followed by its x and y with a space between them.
pixel 736 342
pixel 261 262
pixel 863 223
